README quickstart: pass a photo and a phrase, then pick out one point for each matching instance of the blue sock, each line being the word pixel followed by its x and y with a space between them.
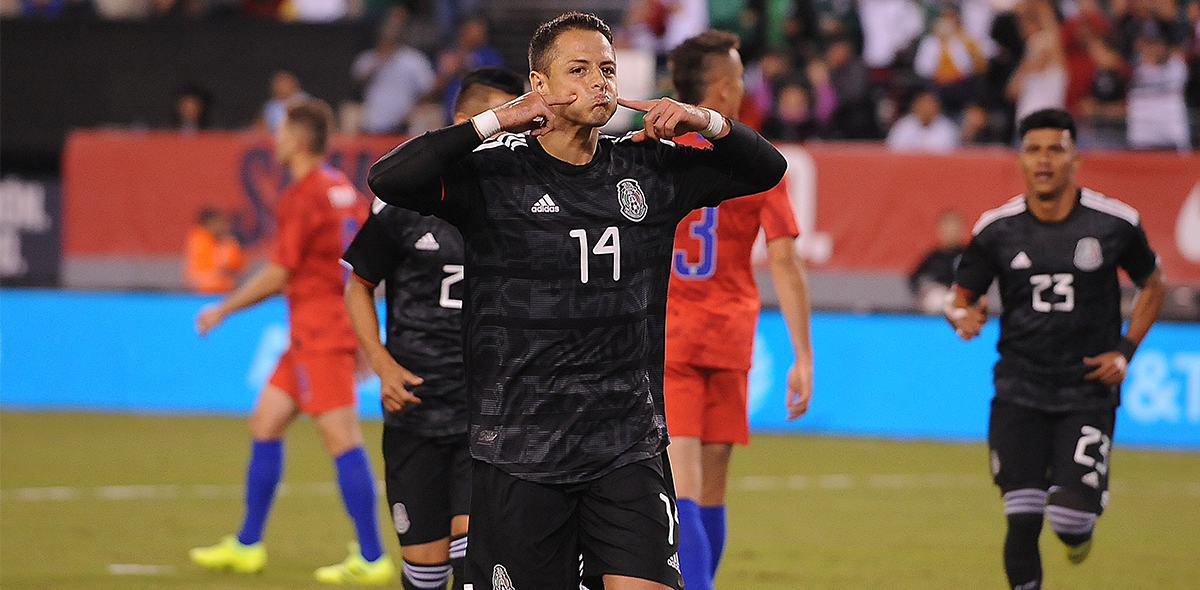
pixel 695 559
pixel 713 518
pixel 358 494
pixel 262 475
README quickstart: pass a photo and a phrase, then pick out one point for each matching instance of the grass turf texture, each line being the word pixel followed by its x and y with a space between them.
pixel 805 512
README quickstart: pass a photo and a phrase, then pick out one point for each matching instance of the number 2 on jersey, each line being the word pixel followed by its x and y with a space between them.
pixel 1060 284
pixel 454 274
pixel 704 230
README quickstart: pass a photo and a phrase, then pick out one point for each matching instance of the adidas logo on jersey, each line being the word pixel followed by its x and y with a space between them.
pixel 544 205
pixel 1020 261
pixel 427 242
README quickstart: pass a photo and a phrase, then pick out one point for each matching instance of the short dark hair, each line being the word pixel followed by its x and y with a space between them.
pixel 543 39
pixel 498 78
pixel 316 118
pixel 1047 119
pixel 690 62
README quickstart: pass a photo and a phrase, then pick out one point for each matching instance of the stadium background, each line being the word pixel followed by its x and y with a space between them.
pixel 119 440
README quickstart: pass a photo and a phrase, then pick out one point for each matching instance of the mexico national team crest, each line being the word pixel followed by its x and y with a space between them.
pixel 500 579
pixel 1088 255
pixel 632 199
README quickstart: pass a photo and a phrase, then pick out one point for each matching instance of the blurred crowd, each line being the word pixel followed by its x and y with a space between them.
pixel 926 75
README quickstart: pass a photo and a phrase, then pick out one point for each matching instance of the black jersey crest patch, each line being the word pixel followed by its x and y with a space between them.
pixel 1088 255
pixel 632 199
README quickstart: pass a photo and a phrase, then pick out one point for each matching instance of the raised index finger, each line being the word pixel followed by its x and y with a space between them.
pixel 637 105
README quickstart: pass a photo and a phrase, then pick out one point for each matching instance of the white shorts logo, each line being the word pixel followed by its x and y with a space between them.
pixel 500 579
pixel 400 518
pixel 1088 255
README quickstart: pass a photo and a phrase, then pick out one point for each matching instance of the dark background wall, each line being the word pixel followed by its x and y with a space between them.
pixel 59 75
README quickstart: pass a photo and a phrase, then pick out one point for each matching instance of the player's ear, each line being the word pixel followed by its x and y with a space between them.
pixel 537 82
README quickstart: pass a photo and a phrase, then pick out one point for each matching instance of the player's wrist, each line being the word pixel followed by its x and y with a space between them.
pixel 486 124
pixel 716 124
pixel 1126 347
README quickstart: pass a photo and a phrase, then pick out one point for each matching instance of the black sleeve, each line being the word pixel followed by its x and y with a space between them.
pixel 1138 260
pixel 741 163
pixel 976 270
pixel 914 278
pixel 410 176
pixel 373 254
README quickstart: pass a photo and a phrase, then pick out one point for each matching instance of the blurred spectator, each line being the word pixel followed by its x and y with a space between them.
pixel 213 255
pixel 950 59
pixel 1192 54
pixel 192 109
pixel 854 117
pixel 924 128
pixel 1040 81
pixel 803 108
pixel 395 77
pixel 313 11
pixel 470 52
pixel 178 9
pixel 933 277
pixel 762 81
pixel 1079 32
pixel 1157 115
pixel 268 9
pixel 978 126
pixel 889 26
pixel 839 19
pixel 977 18
pixel 285 88
pixel 684 19
pixel 56 9
pixel 1102 109
pixel 1143 18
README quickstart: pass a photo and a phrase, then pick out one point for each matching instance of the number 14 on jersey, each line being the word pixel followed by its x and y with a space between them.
pixel 608 245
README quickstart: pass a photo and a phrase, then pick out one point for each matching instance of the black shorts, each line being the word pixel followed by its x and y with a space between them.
pixel 529 535
pixel 428 481
pixel 1061 450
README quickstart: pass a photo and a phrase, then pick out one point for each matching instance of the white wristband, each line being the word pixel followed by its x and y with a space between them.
pixel 486 123
pixel 716 124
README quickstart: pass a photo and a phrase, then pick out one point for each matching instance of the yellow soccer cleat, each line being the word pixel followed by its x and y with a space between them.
pixel 1077 553
pixel 229 554
pixel 356 570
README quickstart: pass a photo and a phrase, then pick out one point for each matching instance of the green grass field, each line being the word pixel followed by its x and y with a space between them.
pixel 80 493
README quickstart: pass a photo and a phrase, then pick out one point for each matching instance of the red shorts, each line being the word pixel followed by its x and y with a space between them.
pixel 707 403
pixel 317 381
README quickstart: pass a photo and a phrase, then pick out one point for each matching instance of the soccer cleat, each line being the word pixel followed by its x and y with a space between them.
pixel 229 554
pixel 356 570
pixel 1077 553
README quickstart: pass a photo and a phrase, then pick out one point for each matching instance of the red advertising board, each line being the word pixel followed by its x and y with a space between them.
pixel 860 206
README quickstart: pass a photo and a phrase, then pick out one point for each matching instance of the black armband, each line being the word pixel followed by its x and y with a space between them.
pixel 1126 347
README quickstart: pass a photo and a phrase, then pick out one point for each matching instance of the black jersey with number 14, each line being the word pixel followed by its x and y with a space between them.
pixel 420 260
pixel 1060 295
pixel 566 283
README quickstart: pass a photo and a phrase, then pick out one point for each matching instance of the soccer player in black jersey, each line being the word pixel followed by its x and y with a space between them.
pixel 1055 250
pixel 568 238
pixel 427 463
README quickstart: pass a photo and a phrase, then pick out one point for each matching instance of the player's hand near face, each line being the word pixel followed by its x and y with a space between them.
pixel 667 119
pixel 394 381
pixel 1110 367
pixel 799 385
pixel 966 318
pixel 532 112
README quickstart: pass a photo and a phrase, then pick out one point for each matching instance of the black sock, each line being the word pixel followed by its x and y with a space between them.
pixel 1074 540
pixel 1022 560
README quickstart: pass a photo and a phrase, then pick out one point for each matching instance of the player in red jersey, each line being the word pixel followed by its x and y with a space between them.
pixel 712 308
pixel 316 217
